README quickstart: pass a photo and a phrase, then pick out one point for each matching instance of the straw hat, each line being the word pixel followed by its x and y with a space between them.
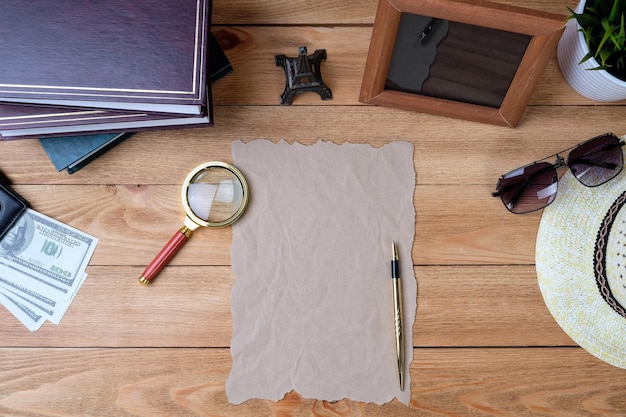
pixel 581 265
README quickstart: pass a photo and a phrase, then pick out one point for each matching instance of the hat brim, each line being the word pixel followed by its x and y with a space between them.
pixel 581 265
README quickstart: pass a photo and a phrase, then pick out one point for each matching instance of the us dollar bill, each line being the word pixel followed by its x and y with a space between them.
pixel 48 250
pixel 51 306
pixel 29 317
pixel 42 266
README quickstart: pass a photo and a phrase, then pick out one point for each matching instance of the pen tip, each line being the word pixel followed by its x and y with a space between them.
pixel 394 249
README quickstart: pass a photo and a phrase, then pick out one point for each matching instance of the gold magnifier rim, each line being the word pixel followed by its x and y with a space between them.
pixel 203 167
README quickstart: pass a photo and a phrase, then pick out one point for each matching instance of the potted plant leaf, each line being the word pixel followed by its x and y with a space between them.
pixel 592 51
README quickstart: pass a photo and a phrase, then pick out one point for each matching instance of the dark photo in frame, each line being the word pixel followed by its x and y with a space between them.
pixel 471 59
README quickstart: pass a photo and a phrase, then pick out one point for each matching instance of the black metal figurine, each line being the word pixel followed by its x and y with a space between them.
pixel 303 74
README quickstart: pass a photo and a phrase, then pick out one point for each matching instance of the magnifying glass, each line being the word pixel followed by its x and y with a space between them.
pixel 214 194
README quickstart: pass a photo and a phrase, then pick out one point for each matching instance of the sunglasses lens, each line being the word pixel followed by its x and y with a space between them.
pixel 528 188
pixel 596 161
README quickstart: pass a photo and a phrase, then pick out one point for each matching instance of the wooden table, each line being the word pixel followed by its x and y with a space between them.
pixel 484 341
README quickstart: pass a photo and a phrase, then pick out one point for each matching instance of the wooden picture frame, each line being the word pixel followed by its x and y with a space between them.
pixel 542 29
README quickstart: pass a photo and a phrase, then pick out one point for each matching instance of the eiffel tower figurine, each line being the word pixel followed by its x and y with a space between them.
pixel 303 74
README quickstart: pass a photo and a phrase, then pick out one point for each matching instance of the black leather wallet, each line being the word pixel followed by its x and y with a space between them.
pixel 12 205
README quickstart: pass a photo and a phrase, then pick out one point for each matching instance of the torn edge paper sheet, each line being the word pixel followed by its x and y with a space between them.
pixel 312 298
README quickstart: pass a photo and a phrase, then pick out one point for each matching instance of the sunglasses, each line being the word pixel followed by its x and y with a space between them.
pixel 533 187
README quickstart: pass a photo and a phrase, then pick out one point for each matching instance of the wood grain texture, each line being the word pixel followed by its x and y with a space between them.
pixel 188 306
pixel 484 342
pixel 252 50
pixel 124 218
pixel 190 382
pixel 320 12
pixel 447 151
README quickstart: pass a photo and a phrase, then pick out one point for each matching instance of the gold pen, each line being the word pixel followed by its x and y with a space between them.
pixel 397 307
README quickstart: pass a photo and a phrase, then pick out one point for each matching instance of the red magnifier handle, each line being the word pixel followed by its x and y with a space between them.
pixel 162 258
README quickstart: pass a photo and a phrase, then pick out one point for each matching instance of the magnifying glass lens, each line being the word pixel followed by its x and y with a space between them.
pixel 215 194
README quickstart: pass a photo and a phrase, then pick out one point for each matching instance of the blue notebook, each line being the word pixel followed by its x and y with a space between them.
pixel 73 152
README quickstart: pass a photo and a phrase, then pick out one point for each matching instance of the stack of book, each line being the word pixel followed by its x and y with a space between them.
pixel 75 68
pixel 72 153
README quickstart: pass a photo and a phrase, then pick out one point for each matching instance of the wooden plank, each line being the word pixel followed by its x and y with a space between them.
pixel 447 151
pixel 455 224
pixel 516 382
pixel 185 306
pixel 482 306
pixel 316 12
pixel 257 80
pixel 466 225
pixel 133 222
pixel 286 12
pixel 191 382
pixel 190 307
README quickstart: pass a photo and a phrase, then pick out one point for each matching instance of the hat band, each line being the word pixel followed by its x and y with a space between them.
pixel 599 258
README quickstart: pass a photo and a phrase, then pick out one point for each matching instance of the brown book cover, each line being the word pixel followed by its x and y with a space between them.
pixel 144 55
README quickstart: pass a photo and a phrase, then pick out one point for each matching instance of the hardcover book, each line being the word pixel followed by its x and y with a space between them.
pixel 74 152
pixel 101 67
pixel 146 56
pixel 25 121
pixel 218 63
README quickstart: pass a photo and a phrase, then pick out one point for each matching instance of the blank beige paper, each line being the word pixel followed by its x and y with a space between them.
pixel 312 297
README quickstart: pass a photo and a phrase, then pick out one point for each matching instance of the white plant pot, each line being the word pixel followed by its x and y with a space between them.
pixel 596 85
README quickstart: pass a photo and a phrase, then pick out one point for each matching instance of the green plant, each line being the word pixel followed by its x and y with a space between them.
pixel 602 24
